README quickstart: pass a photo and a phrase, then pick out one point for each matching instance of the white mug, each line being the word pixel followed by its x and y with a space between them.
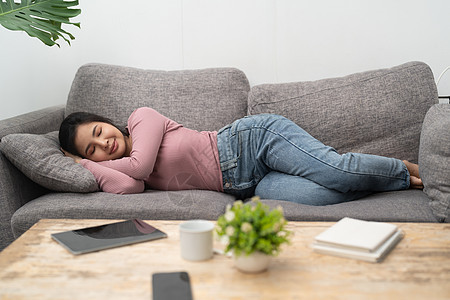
pixel 196 240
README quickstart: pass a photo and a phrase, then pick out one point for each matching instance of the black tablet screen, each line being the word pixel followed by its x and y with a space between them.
pixel 107 236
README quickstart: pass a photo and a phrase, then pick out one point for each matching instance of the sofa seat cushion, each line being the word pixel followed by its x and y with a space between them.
pixel 150 205
pixel 39 157
pixel 398 206
pixel 376 112
pixel 205 99
pixel 434 159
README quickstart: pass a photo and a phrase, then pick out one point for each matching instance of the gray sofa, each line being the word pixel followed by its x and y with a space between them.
pixel 379 112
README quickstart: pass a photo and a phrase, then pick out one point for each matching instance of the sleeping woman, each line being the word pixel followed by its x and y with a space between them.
pixel 265 155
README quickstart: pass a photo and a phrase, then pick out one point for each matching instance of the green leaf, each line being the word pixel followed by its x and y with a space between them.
pixel 41 19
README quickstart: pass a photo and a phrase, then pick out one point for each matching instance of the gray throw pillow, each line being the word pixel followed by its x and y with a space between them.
pixel 39 157
pixel 434 159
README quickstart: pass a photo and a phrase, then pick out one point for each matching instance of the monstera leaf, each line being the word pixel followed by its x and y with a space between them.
pixel 40 18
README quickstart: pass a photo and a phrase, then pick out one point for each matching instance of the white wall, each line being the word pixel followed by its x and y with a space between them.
pixel 270 40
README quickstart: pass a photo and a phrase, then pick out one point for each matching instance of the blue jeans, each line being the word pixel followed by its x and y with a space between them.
pixel 272 157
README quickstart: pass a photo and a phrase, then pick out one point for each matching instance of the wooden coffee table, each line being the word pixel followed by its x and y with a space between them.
pixel 36 267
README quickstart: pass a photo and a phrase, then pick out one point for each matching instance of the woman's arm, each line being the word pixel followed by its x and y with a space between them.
pixel 147 128
pixel 113 181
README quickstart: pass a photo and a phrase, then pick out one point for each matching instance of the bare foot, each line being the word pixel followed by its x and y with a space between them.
pixel 415 181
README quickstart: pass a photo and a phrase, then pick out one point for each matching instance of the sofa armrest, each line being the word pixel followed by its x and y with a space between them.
pixel 39 121
pixel 434 159
pixel 15 188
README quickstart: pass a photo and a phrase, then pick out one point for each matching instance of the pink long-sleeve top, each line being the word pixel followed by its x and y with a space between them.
pixel 164 156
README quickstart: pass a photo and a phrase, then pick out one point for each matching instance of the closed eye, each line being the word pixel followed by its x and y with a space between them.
pixel 94 133
pixel 98 134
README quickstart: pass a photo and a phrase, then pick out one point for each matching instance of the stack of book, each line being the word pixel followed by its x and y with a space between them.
pixel 358 239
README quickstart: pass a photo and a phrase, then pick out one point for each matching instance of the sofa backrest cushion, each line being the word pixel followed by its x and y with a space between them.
pixel 376 112
pixel 204 99
pixel 434 160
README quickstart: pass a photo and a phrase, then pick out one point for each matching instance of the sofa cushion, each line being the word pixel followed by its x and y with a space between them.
pixel 150 205
pixel 376 112
pixel 434 159
pixel 398 206
pixel 39 157
pixel 204 99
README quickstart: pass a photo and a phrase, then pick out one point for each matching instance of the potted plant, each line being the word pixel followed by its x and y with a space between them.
pixel 40 18
pixel 253 233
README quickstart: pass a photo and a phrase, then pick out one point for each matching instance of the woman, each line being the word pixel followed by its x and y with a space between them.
pixel 266 155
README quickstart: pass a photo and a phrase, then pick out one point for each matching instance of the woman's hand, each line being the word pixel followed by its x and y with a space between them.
pixel 74 157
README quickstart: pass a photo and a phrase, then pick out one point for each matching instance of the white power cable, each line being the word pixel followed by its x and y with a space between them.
pixel 437 83
pixel 442 74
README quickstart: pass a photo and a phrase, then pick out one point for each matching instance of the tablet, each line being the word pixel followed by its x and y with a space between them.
pixel 107 236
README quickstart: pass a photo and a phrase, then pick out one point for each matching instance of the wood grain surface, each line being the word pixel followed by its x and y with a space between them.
pixel 36 267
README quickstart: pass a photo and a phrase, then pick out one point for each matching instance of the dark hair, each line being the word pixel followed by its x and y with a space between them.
pixel 69 126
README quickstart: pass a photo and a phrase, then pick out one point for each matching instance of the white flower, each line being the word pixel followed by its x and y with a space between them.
pixel 255 198
pixel 224 240
pixel 276 226
pixel 281 233
pixel 246 227
pixel 229 216
pixel 280 208
pixel 238 203
pixel 229 230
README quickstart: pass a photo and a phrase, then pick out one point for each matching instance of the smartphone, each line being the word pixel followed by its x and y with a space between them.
pixel 173 285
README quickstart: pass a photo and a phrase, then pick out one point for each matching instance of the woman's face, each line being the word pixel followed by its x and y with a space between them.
pixel 100 141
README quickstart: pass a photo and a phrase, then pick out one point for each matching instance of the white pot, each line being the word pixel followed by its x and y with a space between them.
pixel 253 263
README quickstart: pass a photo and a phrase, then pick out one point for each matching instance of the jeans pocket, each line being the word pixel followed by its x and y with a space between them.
pixel 229 164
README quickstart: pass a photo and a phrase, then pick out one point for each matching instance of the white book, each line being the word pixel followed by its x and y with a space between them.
pixel 374 256
pixel 356 234
pixel 358 239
